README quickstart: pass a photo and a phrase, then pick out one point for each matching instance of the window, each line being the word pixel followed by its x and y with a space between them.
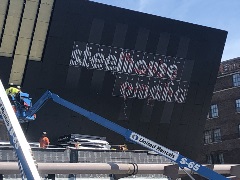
pixel 211 136
pixel 213 111
pixel 216 135
pixel 236 80
pixel 215 158
pixel 208 137
pixel 220 158
pixel 238 105
pixel 239 130
pixel 209 159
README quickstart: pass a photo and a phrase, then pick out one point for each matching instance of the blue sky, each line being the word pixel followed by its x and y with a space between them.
pixel 220 14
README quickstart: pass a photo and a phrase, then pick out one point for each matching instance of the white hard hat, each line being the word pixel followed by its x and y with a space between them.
pixel 11 84
pixel 19 87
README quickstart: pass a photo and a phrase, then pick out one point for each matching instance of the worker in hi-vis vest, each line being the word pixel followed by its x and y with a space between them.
pixel 13 92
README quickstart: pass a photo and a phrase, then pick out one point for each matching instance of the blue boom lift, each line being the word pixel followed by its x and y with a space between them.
pixel 20 108
pixel 130 136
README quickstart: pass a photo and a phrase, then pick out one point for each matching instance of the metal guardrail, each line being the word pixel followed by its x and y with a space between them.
pixel 169 170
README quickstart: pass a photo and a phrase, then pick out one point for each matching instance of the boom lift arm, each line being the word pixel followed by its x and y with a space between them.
pixel 130 136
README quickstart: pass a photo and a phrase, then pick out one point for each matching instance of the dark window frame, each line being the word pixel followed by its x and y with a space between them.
pixel 213 136
pixel 236 80
pixel 215 158
pixel 221 158
pixel 239 130
pixel 213 113
pixel 217 136
pixel 237 105
pixel 209 159
pixel 208 139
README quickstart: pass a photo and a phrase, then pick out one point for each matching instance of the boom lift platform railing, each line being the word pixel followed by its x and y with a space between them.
pixel 23 151
pixel 130 136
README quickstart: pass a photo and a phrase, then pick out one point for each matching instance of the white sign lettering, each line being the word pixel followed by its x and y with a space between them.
pixel 154 146
pixel 147 75
pixel 8 125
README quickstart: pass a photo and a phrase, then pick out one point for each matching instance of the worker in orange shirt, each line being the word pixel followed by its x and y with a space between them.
pixel 44 141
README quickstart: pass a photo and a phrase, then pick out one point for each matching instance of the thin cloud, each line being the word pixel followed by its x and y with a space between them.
pixel 232 49
pixel 142 5
pixel 212 13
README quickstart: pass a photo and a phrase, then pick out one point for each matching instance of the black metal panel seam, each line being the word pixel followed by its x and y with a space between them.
pixel 30 45
pixel 183 42
pixel 139 46
pixel 118 41
pixel 4 23
pixel 19 27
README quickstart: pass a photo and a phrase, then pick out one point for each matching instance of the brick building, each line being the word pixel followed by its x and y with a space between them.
pixel 222 129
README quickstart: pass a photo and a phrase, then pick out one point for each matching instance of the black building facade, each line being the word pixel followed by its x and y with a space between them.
pixel 150 74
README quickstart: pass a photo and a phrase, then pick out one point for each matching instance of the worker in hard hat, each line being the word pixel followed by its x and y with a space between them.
pixel 44 141
pixel 77 145
pixel 123 147
pixel 13 92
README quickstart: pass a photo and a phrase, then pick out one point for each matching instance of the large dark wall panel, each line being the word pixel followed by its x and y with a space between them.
pixel 150 74
pixel 5 69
